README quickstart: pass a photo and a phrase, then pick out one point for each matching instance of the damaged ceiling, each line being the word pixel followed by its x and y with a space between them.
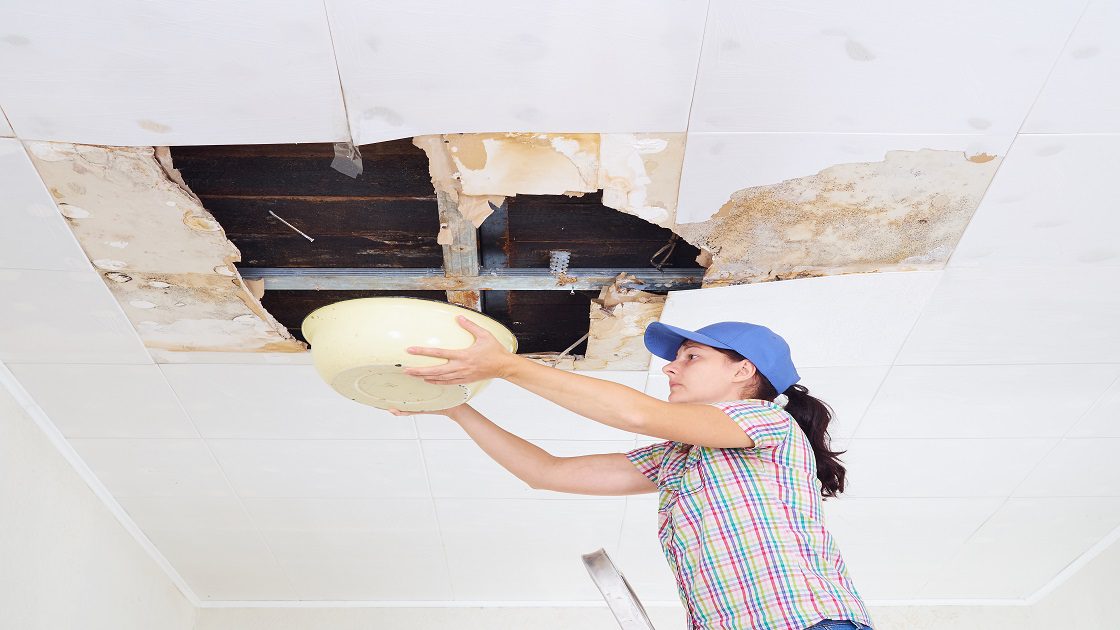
pixel 909 213
pixel 175 231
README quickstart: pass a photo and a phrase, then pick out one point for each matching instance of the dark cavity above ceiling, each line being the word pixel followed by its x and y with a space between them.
pixel 388 218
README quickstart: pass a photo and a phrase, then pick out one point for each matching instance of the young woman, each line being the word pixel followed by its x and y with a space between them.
pixel 740 476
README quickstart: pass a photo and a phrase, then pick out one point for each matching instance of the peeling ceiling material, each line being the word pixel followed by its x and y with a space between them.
pixel 904 213
pixel 638 173
pixel 619 317
pixel 164 257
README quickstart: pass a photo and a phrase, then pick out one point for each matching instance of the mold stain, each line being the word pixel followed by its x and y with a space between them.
pixel 131 212
pixel 906 212
pixel 153 126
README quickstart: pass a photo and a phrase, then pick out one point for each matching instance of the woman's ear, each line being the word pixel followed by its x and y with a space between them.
pixel 745 372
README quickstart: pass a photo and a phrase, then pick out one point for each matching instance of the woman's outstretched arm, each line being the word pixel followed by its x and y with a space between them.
pixel 609 403
pixel 611 474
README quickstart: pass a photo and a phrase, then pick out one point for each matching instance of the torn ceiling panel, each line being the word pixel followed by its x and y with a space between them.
pixel 906 212
pixel 616 339
pixel 638 173
pixel 388 219
pixel 165 258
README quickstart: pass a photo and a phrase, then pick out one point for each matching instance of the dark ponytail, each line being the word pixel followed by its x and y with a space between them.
pixel 813 416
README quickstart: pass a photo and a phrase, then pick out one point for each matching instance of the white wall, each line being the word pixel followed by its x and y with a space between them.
pixel 65 561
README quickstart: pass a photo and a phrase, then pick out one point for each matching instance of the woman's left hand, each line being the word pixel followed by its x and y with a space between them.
pixel 484 359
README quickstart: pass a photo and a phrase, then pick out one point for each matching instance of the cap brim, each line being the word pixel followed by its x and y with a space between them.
pixel 664 340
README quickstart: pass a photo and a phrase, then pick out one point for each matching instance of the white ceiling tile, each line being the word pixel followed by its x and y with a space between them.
pixel 940 468
pixel 1103 419
pixel 346 549
pixel 106 401
pixel 213 544
pixel 1023 546
pixel 892 546
pixel 510 550
pixel 657 385
pixel 1081 94
pixel 1003 316
pixel 718 164
pixel 188 513
pixel 529 416
pixel 848 390
pixel 577 66
pixel 991 401
pixel 63 317
pixel 832 321
pixel 1052 203
pixel 459 469
pixel 176 357
pixel 35 235
pixel 1079 467
pixel 5 128
pixel 154 468
pixel 170 73
pixel 812 66
pixel 276 401
pixel 323 468
pixel 640 557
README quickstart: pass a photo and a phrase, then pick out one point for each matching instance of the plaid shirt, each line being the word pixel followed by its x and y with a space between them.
pixel 743 531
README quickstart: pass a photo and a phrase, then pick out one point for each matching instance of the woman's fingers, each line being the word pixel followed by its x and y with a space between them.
pixel 439 353
pixel 439 370
pixel 475 329
pixel 448 379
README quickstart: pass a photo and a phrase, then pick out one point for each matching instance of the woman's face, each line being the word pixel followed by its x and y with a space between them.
pixel 702 374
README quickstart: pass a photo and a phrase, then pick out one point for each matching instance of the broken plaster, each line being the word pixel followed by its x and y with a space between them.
pixel 163 256
pixel 619 317
pixel 903 213
pixel 906 212
pixel 638 173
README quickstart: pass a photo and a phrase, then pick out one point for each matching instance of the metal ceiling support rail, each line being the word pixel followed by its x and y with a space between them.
pixel 433 279
pixel 460 256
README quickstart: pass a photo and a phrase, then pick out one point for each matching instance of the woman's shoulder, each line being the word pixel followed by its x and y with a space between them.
pixel 755 404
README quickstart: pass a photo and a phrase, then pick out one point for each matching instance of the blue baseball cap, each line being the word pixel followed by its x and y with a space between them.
pixel 760 345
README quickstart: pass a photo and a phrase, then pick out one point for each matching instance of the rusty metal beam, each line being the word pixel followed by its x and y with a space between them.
pixel 460 258
pixel 389 279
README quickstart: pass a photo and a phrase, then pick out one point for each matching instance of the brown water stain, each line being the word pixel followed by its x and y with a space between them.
pixel 906 212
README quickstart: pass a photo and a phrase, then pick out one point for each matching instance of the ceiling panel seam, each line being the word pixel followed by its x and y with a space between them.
pixel 1053 65
pixel 901 346
pixel 59 441
pixel 338 75
pixel 229 484
pixel 435 511
pixel 1018 132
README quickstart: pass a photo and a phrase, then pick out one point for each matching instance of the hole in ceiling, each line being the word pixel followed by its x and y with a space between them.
pixel 284 207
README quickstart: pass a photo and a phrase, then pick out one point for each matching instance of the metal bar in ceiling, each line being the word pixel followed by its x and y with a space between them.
pixel 433 279
pixel 460 255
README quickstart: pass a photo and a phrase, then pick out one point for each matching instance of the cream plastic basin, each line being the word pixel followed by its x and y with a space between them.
pixel 358 347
